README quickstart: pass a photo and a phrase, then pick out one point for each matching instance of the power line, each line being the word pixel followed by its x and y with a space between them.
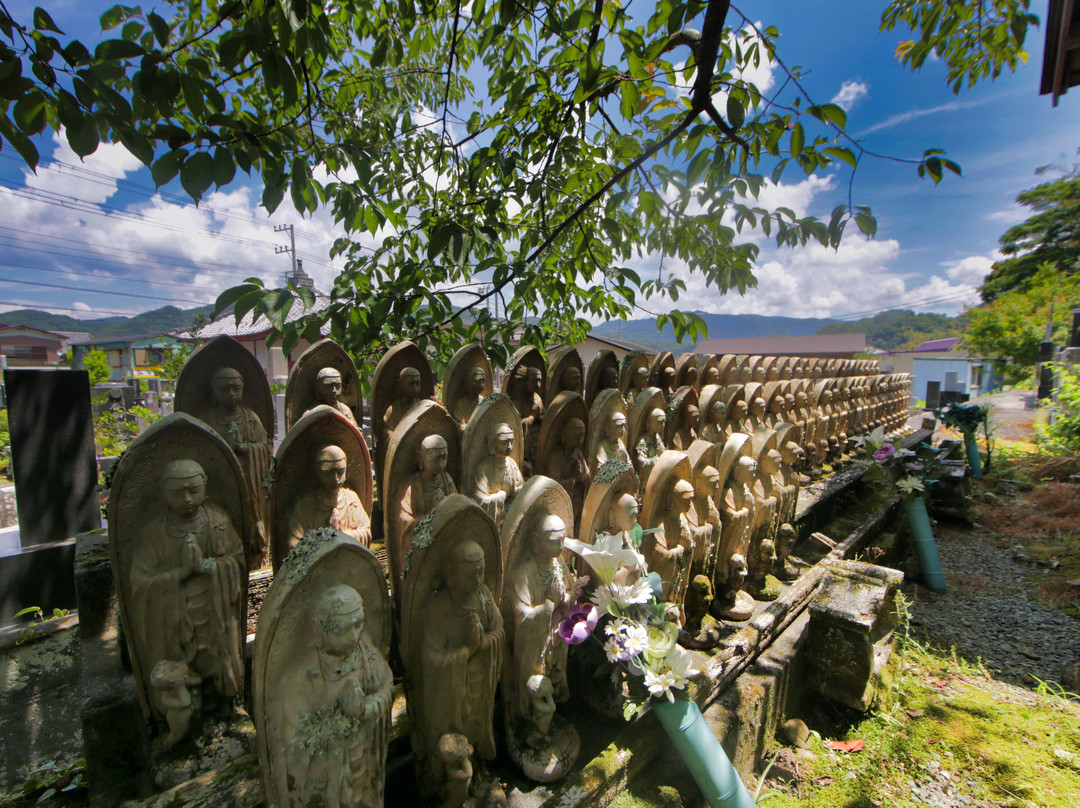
pixel 95 291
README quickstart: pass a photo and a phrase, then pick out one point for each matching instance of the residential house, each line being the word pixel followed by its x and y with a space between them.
pixel 129 357
pixel 24 346
pixel 942 361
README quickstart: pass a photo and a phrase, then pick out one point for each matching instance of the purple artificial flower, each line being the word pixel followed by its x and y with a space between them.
pixel 884 453
pixel 576 628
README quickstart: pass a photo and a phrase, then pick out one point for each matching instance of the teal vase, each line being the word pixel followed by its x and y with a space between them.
pixel 973 457
pixel 919 521
pixel 702 754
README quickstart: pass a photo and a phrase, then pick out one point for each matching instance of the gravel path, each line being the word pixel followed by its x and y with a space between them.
pixel 990 611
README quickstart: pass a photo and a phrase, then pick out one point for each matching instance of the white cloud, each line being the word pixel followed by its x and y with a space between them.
pixel 912 114
pixel 760 75
pixel 851 92
pixel 971 270
pixel 109 163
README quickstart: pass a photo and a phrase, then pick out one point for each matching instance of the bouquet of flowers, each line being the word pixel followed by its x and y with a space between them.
pixel 638 634
pixel 910 471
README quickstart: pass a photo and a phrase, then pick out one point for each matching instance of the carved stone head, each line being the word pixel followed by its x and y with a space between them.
pixel 745 470
pixel 465 567
pixel 501 441
pixel 541 702
pixel 227 388
pixel 717 412
pixel 681 498
pixel 656 422
pixel 328 386
pixel 183 486
pixel 338 620
pixel 615 428
pixel 331 468
pixel 549 536
pixel 476 380
pixel 409 383
pixel 623 513
pixel 432 455
pixel 573 433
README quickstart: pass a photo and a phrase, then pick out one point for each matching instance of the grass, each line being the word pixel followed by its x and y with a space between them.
pixel 999 745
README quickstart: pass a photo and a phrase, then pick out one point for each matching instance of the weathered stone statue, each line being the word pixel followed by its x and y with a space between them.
pixel 662 373
pixel 401 380
pixel 539 591
pixel 785 543
pixel 468 380
pixel 704 516
pixel 425 488
pixel 683 416
pixel 669 497
pixel 735 403
pixel 686 371
pixel 603 374
pixel 324 374
pixel 709 372
pixel 566 373
pixel 178 559
pixel 323 688
pixel 452 636
pixel 328 387
pixel 755 407
pixel 562 446
pixel 762 584
pixel 633 376
pixel 329 502
pixel 702 629
pixel 525 384
pixel 650 445
pixel 241 427
pixel 322 478
pixel 712 425
pixel 408 397
pixel 611 507
pixel 737 470
pixel 607 434
pixel 423 463
pixel 496 479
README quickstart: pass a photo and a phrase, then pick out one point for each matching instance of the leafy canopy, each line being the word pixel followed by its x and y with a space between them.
pixel 529 152
pixel 1010 328
pixel 1050 236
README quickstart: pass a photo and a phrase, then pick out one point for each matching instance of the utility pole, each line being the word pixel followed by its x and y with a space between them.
pixel 291 249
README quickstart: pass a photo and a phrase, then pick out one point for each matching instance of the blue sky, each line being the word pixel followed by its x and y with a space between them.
pixel 92 239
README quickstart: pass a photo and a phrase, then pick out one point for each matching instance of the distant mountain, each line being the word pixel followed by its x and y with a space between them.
pixel 900 329
pixel 157 321
pixel 721 326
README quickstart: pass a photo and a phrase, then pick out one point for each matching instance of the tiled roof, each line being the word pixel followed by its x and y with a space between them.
pixel 226 326
pixel 946 344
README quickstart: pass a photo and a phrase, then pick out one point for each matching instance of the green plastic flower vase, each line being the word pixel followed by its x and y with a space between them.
pixel 973 457
pixel 702 754
pixel 919 521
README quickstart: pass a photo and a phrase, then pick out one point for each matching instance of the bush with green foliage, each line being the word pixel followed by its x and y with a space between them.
pixel 115 429
pixel 1062 433
pixel 96 363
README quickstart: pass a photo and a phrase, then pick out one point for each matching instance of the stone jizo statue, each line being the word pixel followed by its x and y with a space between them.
pixel 567 465
pixel 731 601
pixel 475 385
pixel 453 752
pixel 462 652
pixel 427 487
pixel 328 387
pixel 715 422
pixel 171 681
pixel 333 713
pixel 686 433
pixel 651 445
pixel 330 503
pixel 497 477
pixel 408 397
pixel 669 550
pixel 613 445
pixel 186 589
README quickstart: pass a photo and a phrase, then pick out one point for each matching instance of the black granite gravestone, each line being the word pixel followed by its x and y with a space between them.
pixel 52 454
pixel 933 395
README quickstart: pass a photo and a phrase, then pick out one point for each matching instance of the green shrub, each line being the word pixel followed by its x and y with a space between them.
pixel 1063 434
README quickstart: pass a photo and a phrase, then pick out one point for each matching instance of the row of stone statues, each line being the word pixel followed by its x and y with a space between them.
pixel 476 582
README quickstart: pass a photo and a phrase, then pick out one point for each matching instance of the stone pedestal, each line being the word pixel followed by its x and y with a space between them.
pixel 851 637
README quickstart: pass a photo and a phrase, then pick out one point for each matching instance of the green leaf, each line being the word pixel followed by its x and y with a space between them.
pixel 116 49
pixel 867 223
pixel 735 112
pixel 197 174
pixel 224 167
pixel 159 27
pixel 83 138
pixel 27 151
pixel 43 22
pixel 842 153
pixel 439 238
pixel 167 166
pixel 798 139
pixel 29 113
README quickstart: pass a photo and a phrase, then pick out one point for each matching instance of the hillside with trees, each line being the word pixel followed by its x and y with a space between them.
pixel 157 321
pixel 899 330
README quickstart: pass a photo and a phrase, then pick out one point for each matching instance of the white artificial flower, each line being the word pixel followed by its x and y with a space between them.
pixel 606 556
pixel 635 638
pixel 622 595
pixel 660 683
pixel 614 650
pixel 670 672
pixel 911 485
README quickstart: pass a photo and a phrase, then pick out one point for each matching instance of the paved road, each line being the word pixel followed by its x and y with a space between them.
pixel 1009 414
